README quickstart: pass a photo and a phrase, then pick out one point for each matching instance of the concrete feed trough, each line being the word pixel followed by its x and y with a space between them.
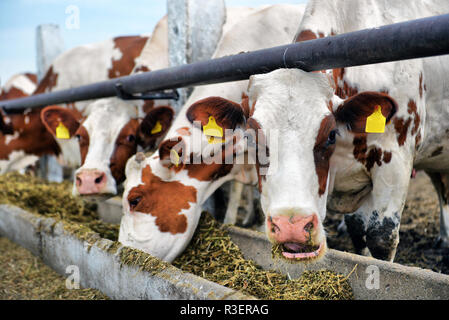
pixel 100 266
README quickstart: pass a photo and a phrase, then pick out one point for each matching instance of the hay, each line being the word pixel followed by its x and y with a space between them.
pixel 54 200
pixel 211 254
pixel 24 276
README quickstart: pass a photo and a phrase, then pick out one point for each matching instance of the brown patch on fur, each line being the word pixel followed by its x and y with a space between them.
pixel 153 193
pixel 305 35
pixel 420 85
pixel 413 109
pixel 125 147
pixel 141 69
pixel 148 105
pixel 417 140
pixel 83 141
pixel 32 77
pixel 322 152
pixel 130 47
pixel 208 172
pixel 369 158
pixel 245 105
pixel 401 128
pixel 12 93
pixel 253 108
pixel 374 157
pixel 343 89
pixel 33 136
pixel 387 157
pixel 48 82
pixel 360 148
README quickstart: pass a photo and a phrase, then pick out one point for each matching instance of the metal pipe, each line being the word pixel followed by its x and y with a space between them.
pixel 407 40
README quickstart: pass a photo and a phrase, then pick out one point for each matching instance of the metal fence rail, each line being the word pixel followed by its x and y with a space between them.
pixel 407 40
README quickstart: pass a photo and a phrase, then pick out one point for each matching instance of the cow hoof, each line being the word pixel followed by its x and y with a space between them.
pixel 441 243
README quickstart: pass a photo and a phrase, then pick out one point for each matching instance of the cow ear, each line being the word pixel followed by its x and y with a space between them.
pixel 172 153
pixel 355 110
pixel 226 114
pixel 155 125
pixel 60 122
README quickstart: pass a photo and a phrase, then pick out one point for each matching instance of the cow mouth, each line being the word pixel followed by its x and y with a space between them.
pixel 97 197
pixel 301 251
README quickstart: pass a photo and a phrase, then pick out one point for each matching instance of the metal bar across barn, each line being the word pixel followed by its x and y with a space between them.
pixel 407 40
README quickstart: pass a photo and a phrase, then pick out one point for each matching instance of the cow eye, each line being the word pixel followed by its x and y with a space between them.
pixel 332 137
pixel 134 202
pixel 131 138
pixel 78 137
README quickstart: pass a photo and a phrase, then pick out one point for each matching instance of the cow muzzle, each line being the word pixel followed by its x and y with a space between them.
pixel 91 182
pixel 297 237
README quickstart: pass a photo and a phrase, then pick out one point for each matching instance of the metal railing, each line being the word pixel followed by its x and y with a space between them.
pixel 407 40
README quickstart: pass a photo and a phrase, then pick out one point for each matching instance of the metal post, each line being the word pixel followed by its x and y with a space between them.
pixel 49 45
pixel 194 29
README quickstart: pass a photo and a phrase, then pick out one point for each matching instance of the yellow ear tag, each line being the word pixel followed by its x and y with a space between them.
pixel 213 131
pixel 157 128
pixel 62 132
pixel 174 157
pixel 375 123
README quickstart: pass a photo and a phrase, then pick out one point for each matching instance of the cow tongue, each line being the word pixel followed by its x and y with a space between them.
pixel 300 251
pixel 294 247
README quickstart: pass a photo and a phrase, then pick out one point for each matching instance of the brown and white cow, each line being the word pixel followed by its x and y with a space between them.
pixel 111 129
pixel 164 192
pixel 84 65
pixel 21 137
pixel 324 154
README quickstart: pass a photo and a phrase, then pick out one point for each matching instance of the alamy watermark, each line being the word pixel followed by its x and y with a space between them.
pixel 72 22
pixel 73 280
pixel 373 280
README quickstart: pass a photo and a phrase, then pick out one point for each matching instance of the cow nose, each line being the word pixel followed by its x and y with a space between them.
pixel 292 229
pixel 90 182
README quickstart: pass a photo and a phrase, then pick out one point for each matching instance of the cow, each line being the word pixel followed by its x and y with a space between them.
pixel 83 65
pixel 18 149
pixel 349 139
pixel 163 193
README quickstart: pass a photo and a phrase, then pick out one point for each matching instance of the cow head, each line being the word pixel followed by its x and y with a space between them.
pixel 311 122
pixel 164 192
pixel 106 139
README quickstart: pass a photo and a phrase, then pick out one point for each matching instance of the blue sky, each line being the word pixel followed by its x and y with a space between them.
pixel 99 20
